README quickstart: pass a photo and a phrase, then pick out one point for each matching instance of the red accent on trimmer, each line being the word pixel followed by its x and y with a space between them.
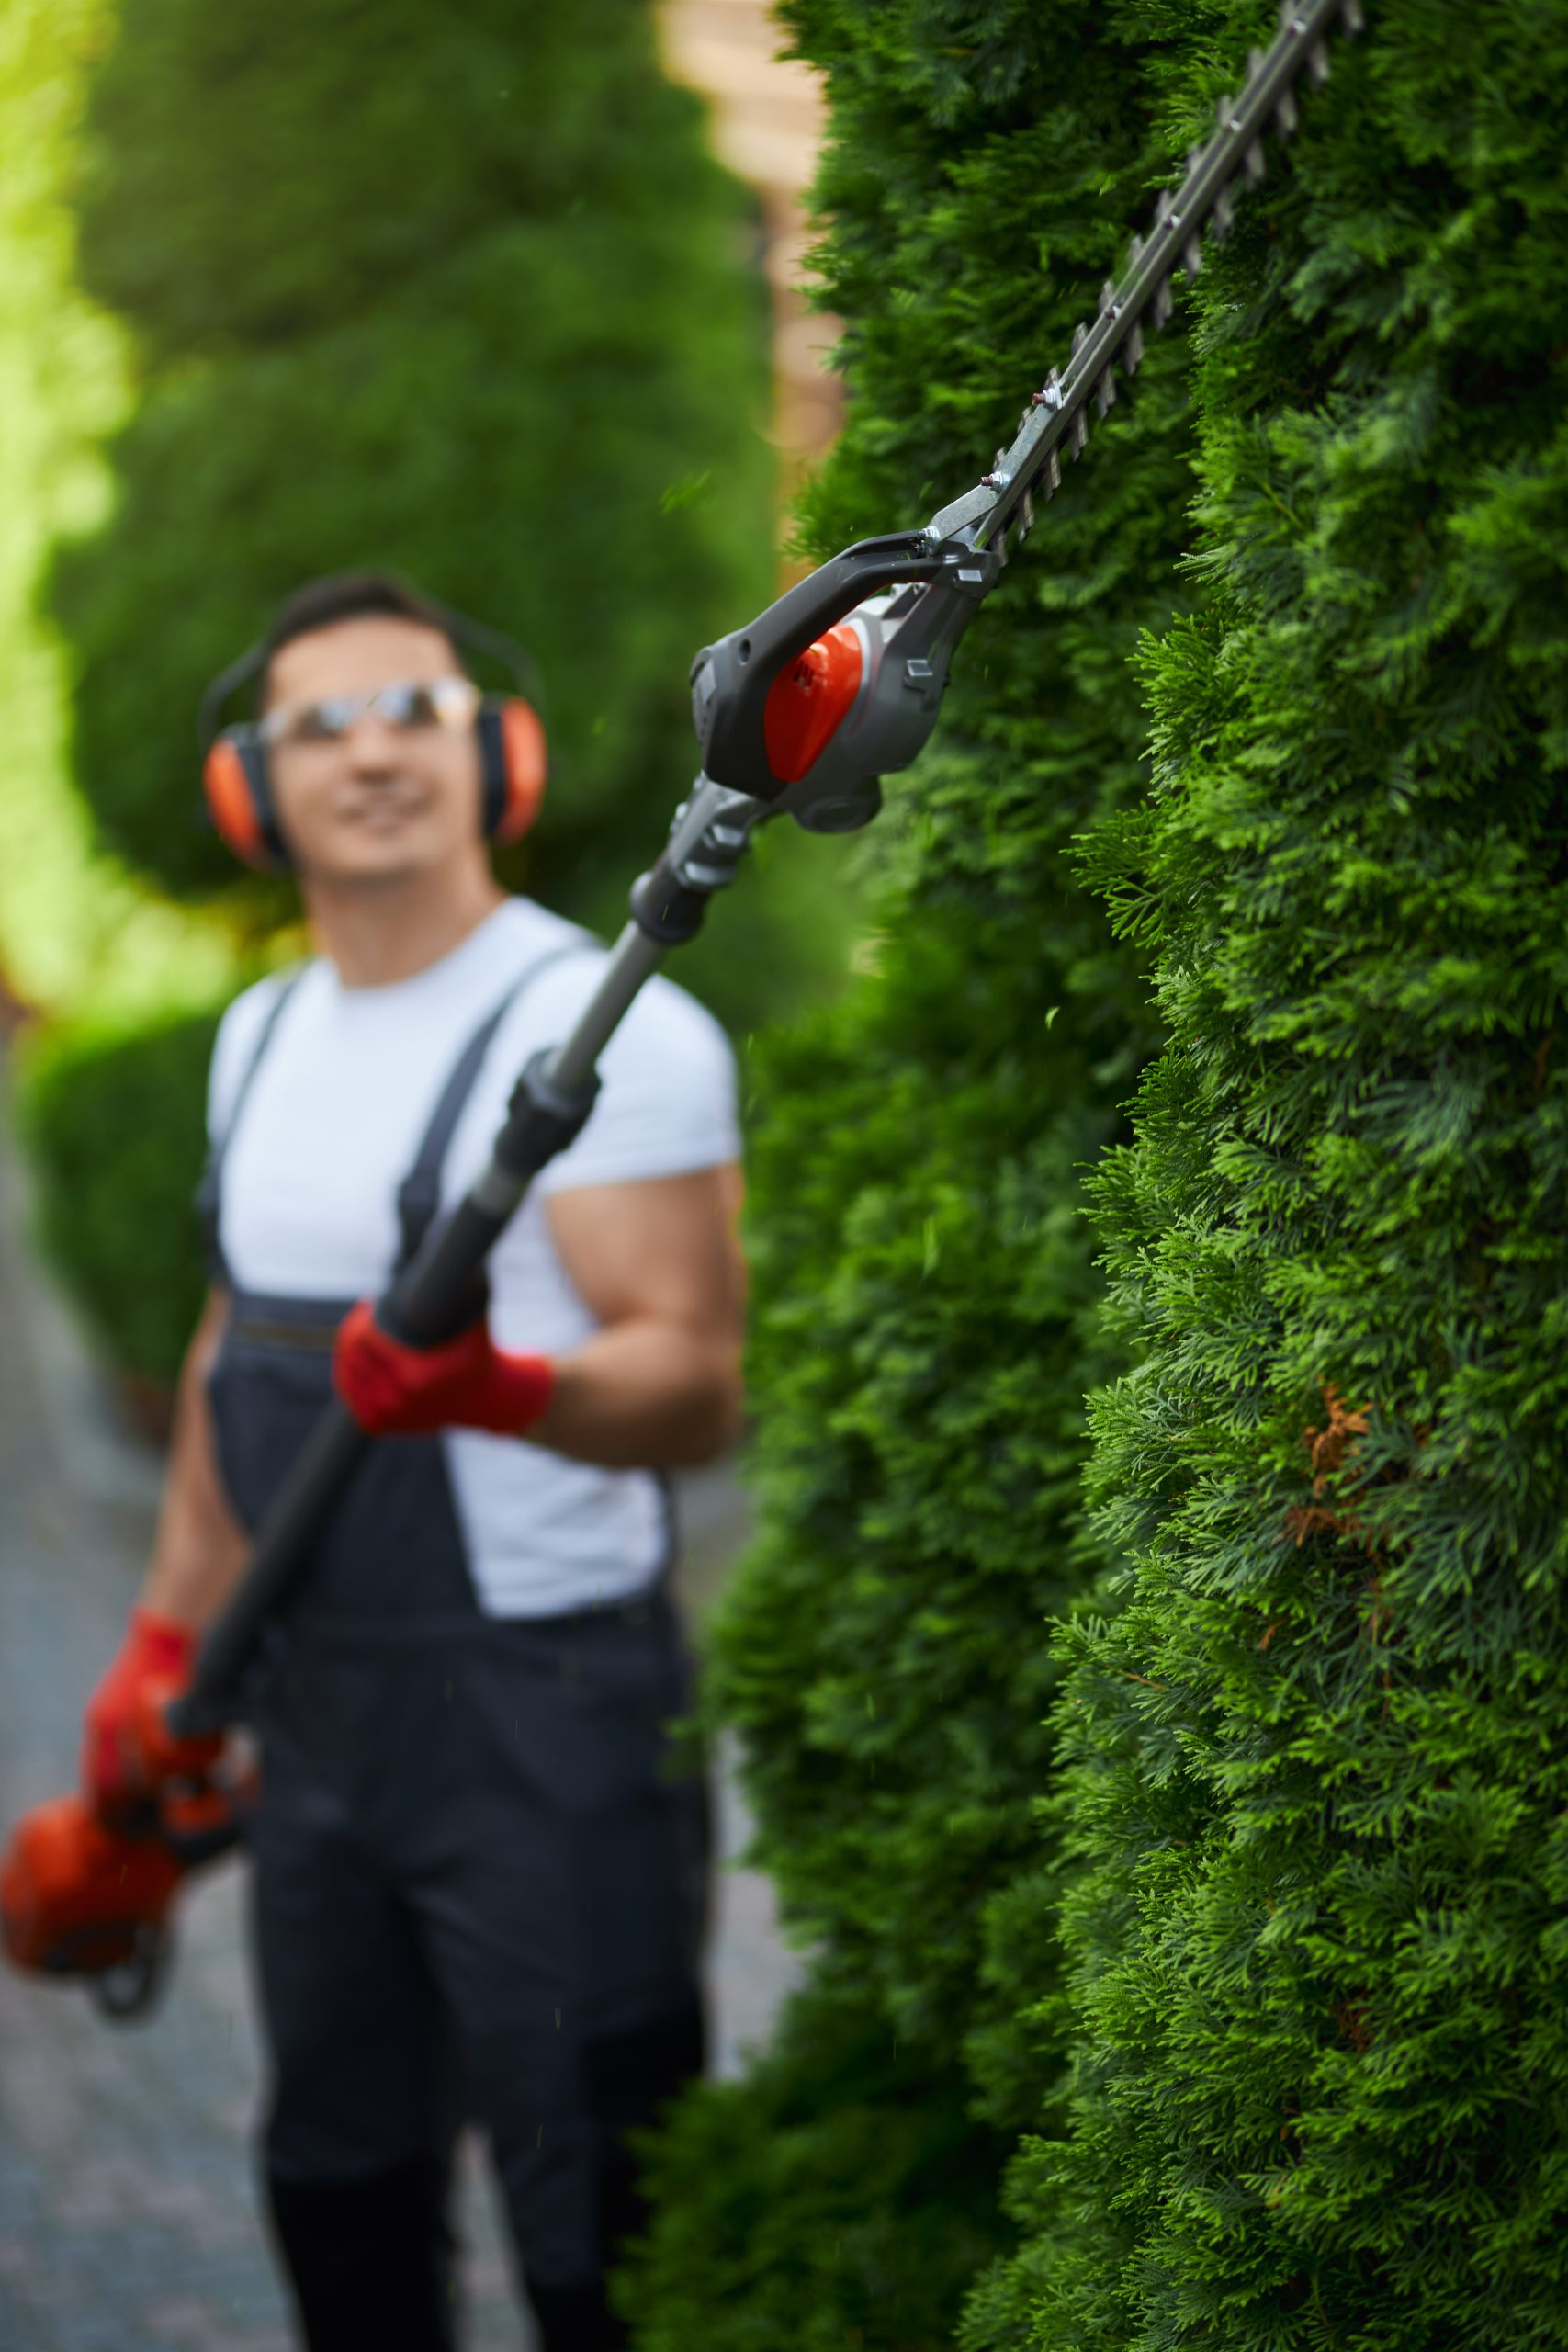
pixel 807 701
pixel 75 1896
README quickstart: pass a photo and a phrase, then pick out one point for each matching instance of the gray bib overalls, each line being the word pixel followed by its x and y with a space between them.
pixel 480 1873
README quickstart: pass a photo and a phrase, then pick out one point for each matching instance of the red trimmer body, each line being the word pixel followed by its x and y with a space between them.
pixel 92 1899
pixel 77 1898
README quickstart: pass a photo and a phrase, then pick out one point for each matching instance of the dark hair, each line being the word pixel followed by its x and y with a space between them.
pixel 347 596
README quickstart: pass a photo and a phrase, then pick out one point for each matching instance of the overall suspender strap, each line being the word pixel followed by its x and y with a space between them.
pixel 208 1192
pixel 419 1195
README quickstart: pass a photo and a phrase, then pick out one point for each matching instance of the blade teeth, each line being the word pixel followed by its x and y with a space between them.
pixel 1253 162
pixel 1053 475
pixel 1132 357
pixel 1134 253
pixel 1079 433
pixel 1318 64
pixel 1191 255
pixel 1286 116
pixel 1354 17
pixel 1105 392
pixel 1026 516
pixel 1081 336
pixel 1162 304
pixel 1224 217
pixel 1107 298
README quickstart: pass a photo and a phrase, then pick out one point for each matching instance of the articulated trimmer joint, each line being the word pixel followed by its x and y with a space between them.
pixel 841 681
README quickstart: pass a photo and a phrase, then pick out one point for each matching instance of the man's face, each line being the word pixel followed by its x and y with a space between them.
pixel 378 802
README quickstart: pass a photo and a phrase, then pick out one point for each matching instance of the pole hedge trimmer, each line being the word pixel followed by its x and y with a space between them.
pixel 838 684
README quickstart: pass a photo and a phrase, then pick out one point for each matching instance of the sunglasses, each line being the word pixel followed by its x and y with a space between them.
pixel 409 705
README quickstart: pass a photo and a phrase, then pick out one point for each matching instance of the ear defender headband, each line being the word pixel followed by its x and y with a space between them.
pixel 513 762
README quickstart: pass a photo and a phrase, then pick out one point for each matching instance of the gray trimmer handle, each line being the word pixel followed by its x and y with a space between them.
pixel 732 678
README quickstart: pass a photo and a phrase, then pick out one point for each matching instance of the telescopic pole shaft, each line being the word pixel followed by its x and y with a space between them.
pixel 436 1295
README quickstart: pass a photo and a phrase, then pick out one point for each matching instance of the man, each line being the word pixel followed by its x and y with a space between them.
pixel 479 1878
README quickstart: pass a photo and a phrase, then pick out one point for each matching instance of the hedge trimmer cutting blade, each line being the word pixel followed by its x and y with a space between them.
pixel 838 682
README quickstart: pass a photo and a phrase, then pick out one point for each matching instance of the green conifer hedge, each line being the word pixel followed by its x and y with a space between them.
pixel 1320 1768
pixel 927 1316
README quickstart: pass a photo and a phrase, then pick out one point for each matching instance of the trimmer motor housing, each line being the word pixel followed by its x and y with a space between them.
pixel 842 680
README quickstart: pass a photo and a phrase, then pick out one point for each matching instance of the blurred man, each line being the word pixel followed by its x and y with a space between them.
pixel 478 1877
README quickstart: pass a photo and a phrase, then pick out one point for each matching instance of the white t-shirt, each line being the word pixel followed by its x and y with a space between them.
pixel 331 1126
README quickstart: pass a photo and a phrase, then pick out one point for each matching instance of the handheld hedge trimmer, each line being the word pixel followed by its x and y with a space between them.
pixel 800 714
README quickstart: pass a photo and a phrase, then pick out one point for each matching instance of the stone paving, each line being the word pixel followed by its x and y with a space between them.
pixel 128 2218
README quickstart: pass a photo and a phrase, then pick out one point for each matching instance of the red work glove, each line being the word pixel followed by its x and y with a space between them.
pixel 470 1382
pixel 152 1666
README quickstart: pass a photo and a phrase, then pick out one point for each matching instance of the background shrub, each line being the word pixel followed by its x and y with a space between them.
pixel 401 297
pixel 115 1128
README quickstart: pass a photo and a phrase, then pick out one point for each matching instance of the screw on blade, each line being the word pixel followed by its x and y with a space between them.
pixel 1286 116
pixel 1050 394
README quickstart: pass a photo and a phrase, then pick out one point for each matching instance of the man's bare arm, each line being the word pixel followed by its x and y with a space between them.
pixel 200 1547
pixel 658 1264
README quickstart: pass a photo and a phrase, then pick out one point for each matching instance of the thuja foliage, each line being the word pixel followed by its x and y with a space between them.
pixel 927 1315
pixel 1320 1761
pixel 832 2198
pixel 458 290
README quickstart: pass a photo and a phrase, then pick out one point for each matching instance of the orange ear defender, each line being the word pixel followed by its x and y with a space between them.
pixel 239 799
pixel 513 756
pixel 515 764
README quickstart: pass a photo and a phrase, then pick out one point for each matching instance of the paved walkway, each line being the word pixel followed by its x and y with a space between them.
pixel 128 2222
